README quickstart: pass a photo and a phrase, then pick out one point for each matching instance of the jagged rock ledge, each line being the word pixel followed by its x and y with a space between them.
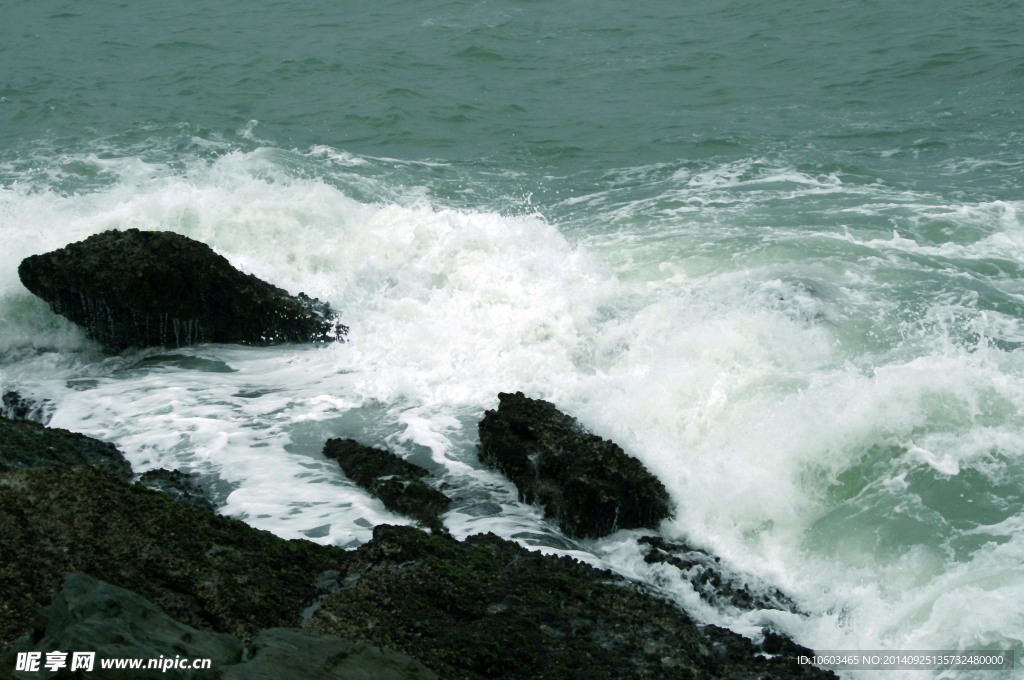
pixel 488 608
pixel 149 288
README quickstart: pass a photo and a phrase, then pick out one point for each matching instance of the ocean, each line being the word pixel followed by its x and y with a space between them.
pixel 773 250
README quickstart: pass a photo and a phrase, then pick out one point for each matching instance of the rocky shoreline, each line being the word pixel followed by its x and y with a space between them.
pixel 95 560
pixel 418 601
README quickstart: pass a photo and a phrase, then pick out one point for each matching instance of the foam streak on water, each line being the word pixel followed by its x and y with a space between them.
pixel 835 409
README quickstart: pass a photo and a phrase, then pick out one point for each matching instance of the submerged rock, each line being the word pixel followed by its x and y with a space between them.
pixel 143 288
pixel 396 482
pixel 27 444
pixel 587 485
pixel 489 608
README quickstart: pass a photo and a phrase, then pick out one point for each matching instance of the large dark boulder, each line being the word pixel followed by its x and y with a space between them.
pixel 144 288
pixel 396 482
pixel 489 608
pixel 485 607
pixel 587 485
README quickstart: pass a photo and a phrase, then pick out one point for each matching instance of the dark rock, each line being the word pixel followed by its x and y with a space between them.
pixel 396 482
pixel 144 288
pixel 711 581
pixel 19 407
pixel 587 485
pixel 90 615
pixel 208 571
pixel 179 485
pixel 289 653
pixel 26 444
pixel 488 608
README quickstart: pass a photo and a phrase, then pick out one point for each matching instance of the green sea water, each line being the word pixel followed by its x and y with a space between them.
pixel 776 250
pixel 911 95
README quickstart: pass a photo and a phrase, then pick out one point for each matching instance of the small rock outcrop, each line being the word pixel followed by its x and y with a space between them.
pixel 587 485
pixel 396 482
pixel 147 288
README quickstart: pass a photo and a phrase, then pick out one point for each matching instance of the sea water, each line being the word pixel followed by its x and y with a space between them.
pixel 775 252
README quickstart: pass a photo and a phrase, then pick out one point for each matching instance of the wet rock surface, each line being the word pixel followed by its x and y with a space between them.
pixel 289 653
pixel 396 482
pixel 147 288
pixel 587 485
